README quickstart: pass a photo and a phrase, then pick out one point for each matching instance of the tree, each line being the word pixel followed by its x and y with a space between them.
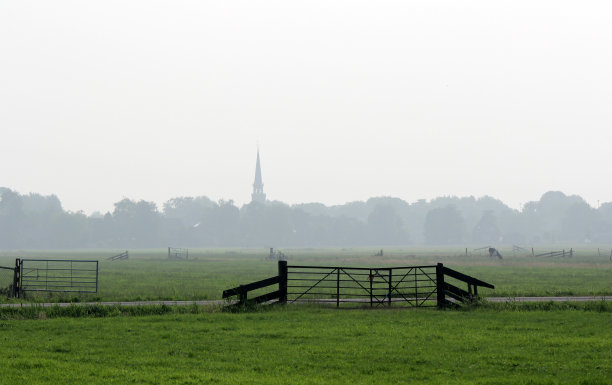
pixel 444 226
pixel 385 227
pixel 580 223
pixel 267 224
pixel 188 210
pixel 12 219
pixel 137 224
pixel 486 230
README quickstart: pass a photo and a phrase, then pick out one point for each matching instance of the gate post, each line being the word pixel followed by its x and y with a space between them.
pixel 17 279
pixel 282 284
pixel 390 285
pixel 338 287
pixel 440 286
pixel 371 278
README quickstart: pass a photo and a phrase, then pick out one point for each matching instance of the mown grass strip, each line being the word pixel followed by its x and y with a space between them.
pixel 312 345
pixel 100 311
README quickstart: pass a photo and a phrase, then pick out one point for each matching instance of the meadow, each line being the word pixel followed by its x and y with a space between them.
pixel 150 275
pixel 312 345
pixel 545 343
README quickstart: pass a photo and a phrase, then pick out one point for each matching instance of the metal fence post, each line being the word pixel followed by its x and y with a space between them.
pixel 440 285
pixel 282 284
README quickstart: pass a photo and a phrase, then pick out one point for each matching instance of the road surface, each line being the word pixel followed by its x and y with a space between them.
pixel 222 302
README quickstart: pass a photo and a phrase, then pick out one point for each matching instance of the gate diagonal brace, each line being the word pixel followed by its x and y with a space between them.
pixel 313 286
pixel 428 276
pixel 394 288
pixel 380 302
pixel 357 282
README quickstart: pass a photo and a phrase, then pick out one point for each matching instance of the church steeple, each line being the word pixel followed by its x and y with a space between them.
pixel 258 194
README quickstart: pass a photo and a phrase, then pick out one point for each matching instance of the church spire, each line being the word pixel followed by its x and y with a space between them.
pixel 258 194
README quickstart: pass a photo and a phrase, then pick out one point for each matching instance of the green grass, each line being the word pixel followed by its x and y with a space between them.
pixel 492 343
pixel 312 345
pixel 149 275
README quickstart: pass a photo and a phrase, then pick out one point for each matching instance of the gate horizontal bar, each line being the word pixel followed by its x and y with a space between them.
pixel 60 291
pixel 362 268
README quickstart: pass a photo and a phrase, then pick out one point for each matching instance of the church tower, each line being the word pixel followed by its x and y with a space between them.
pixel 258 194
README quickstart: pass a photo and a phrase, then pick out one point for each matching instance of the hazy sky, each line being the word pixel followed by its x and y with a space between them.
pixel 101 100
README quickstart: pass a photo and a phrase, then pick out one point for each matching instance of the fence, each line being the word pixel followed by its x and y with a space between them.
pixel 561 253
pixel 58 275
pixel 415 286
pixel 599 253
pixel 480 250
pixel 178 253
pixel 518 249
pixel 119 257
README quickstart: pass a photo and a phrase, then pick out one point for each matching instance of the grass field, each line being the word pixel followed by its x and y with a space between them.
pixel 305 345
pixel 150 275
pixel 512 343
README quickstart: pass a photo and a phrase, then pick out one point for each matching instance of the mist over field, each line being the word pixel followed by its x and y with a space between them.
pixel 323 132
pixel 30 221
pixel 101 100
pixel 166 101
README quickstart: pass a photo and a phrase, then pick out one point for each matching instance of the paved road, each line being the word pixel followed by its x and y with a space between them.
pixel 222 302
pixel 132 303
pixel 547 299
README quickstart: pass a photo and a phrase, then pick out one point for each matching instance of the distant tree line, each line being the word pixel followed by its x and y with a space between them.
pixel 34 221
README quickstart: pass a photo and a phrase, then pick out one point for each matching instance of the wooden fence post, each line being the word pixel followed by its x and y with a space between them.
pixel 282 284
pixel 391 286
pixel 242 295
pixel 371 278
pixel 338 287
pixel 16 290
pixel 440 286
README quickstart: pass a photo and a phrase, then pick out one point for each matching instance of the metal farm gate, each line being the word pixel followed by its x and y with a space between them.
pixel 58 275
pixel 414 285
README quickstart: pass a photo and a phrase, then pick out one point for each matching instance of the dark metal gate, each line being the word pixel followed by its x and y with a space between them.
pixel 58 275
pixel 414 285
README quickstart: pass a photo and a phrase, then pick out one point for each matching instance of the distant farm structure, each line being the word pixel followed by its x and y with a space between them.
pixel 560 253
pixel 178 253
pixel 119 257
pixel 277 255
